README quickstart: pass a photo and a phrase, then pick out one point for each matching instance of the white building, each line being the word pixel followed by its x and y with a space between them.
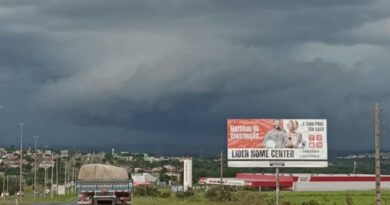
pixel 143 179
pixel 64 153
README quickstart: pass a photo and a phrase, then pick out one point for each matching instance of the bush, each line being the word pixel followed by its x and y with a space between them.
pixel 146 191
pixel 180 195
pixel 249 188
pixel 349 200
pixel 250 197
pixel 165 194
pixel 186 194
pixel 220 193
pixel 311 202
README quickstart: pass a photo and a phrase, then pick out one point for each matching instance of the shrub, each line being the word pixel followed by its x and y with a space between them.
pixel 349 200
pixel 220 193
pixel 180 195
pixel 165 194
pixel 146 191
pixel 250 197
pixel 311 202
pixel 249 188
pixel 186 194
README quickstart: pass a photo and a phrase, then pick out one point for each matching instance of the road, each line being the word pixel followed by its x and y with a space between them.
pixel 65 203
pixel 40 203
pixel 54 203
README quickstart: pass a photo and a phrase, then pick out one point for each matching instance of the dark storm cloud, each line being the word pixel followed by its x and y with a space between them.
pixel 174 68
pixel 254 23
pixel 189 94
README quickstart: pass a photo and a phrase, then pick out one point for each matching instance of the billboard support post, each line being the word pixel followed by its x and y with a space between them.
pixel 221 169
pixel 277 186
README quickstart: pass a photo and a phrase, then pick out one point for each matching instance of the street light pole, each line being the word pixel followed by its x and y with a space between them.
pixel 44 186
pixel 3 174
pixel 3 192
pixel 7 183
pixel 35 164
pixel 56 163
pixel 21 158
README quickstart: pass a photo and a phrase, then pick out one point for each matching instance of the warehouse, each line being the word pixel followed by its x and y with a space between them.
pixel 303 182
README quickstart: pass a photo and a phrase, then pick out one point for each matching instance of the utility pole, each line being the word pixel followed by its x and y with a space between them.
pixel 69 172
pixel 7 183
pixel 35 164
pixel 73 180
pixel 3 174
pixel 52 170
pixel 20 159
pixel 44 183
pixel 377 155
pixel 56 178
pixel 65 177
pixel 221 168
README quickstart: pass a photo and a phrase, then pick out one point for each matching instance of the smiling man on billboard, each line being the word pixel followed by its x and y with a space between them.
pixel 276 137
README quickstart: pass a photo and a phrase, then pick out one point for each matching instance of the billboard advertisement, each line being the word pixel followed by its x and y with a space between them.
pixel 277 143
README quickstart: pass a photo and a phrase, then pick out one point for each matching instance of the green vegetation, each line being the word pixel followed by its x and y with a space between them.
pixel 29 199
pixel 267 198
pixel 228 196
pixel 146 191
pixel 184 195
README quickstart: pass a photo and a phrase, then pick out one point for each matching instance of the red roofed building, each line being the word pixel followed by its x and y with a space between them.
pixel 303 182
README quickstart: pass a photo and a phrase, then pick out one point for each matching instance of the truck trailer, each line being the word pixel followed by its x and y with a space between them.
pixel 98 183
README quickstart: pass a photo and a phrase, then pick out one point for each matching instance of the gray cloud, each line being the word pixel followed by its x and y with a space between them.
pixel 182 67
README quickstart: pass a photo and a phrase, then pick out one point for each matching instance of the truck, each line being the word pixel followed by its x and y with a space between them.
pixel 100 183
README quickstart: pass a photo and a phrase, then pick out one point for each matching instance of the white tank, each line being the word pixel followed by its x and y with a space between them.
pixel 187 181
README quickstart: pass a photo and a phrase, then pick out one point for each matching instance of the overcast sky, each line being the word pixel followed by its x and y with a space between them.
pixel 163 76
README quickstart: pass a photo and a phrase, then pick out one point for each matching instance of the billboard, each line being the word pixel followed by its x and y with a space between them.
pixel 277 143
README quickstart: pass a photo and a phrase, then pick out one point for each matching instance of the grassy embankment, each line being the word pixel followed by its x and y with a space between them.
pixel 323 198
pixel 294 198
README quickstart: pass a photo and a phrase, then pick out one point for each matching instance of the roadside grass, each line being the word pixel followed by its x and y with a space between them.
pixel 335 198
pixel 29 199
pixel 291 198
pixel 288 198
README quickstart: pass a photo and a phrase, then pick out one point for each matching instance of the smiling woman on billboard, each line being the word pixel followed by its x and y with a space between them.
pixel 294 139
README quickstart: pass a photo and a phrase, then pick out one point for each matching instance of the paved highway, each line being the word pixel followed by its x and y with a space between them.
pixel 40 203
pixel 64 203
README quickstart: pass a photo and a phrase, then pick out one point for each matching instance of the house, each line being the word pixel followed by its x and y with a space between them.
pixel 3 151
pixel 170 168
pixel 157 169
pixel 143 179
pixel 64 153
